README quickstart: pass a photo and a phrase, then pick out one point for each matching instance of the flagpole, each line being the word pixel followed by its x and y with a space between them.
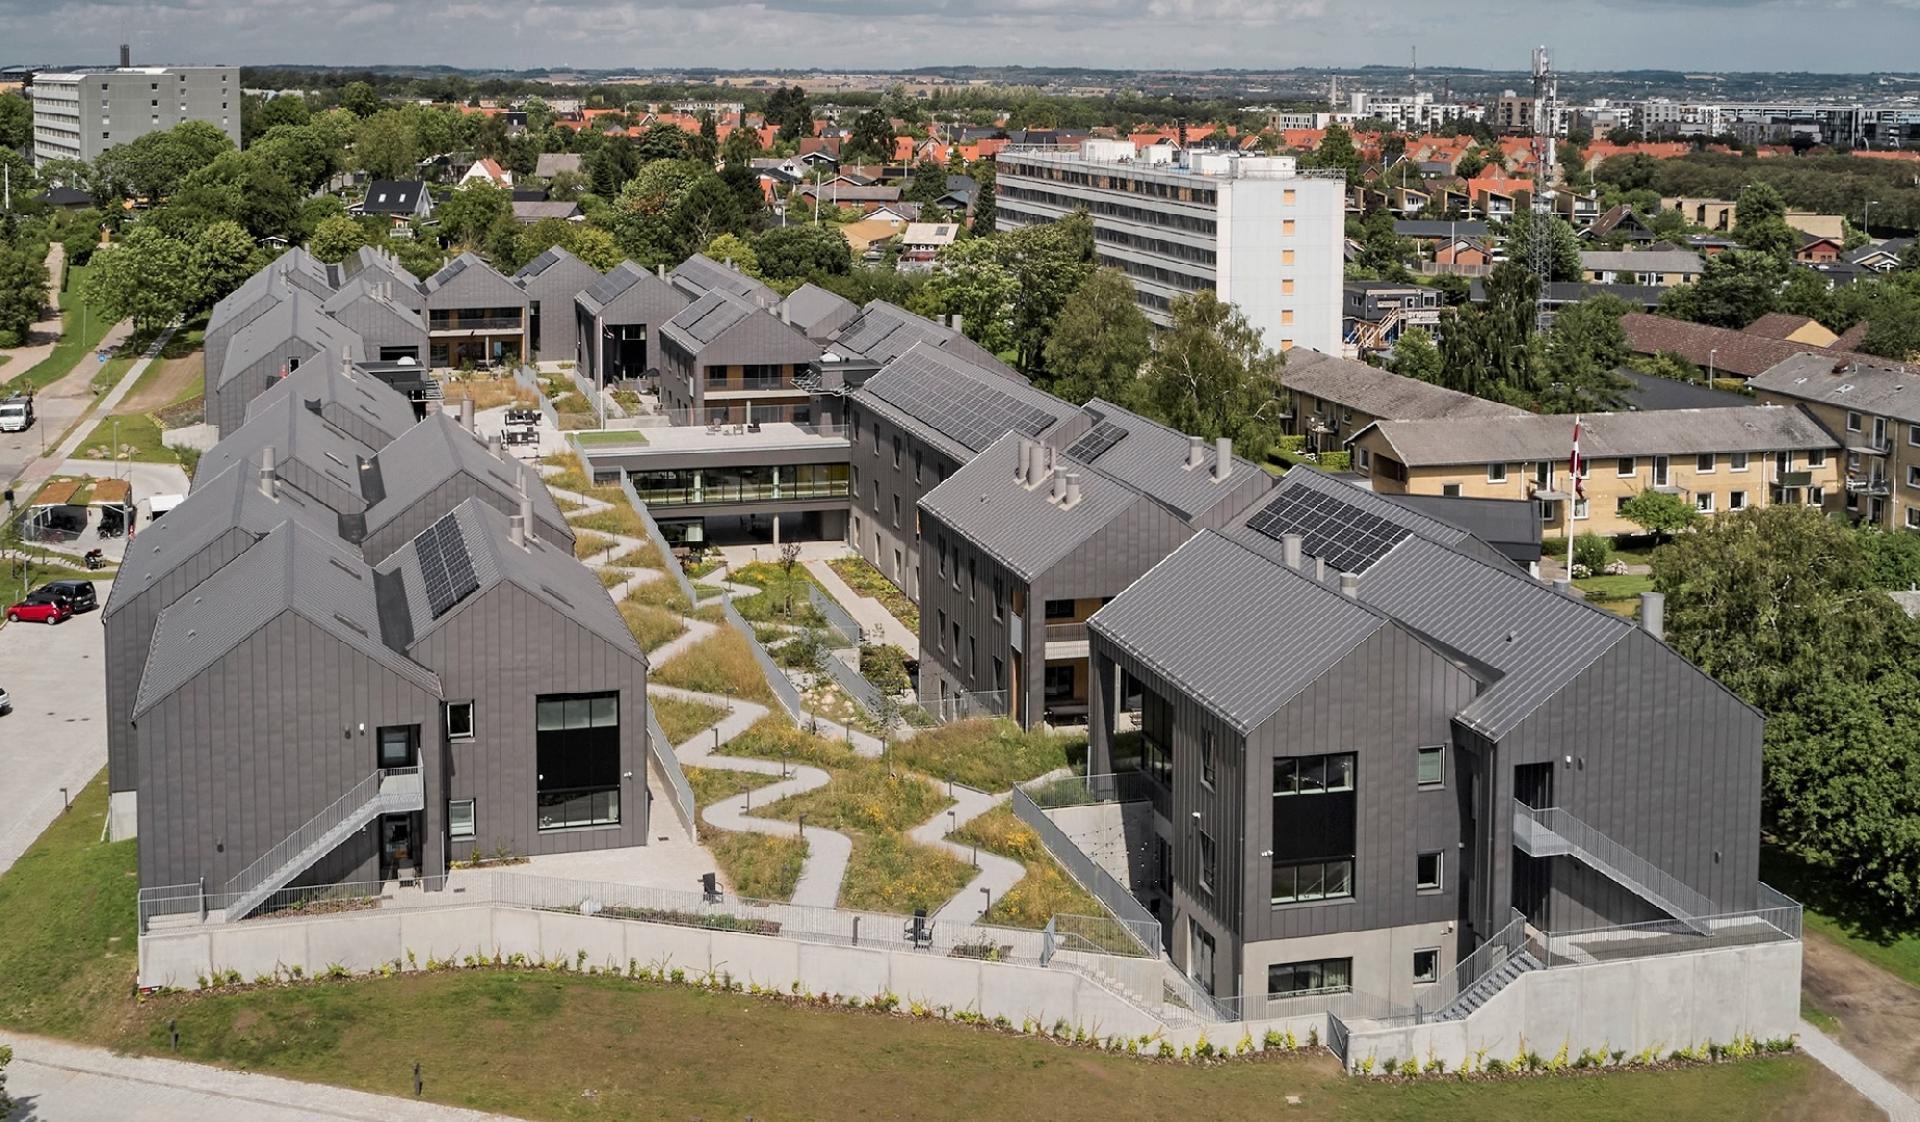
pixel 1573 493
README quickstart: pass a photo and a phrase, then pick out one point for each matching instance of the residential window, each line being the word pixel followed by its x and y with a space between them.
pixel 973 659
pixel 999 597
pixel 1426 965
pixel 1913 518
pixel 1736 461
pixel 1703 502
pixel 577 760
pixel 459 720
pixel 1206 758
pixel 1450 490
pixel 1703 463
pixel 1308 881
pixel 916 466
pixel 1286 315
pixel 956 639
pixel 1783 462
pixel 1817 458
pixel 1058 683
pixel 896 512
pixel 1207 859
pixel 1625 467
pixel 1427 871
pixel 1059 609
pixel 1309 979
pixel 1913 435
pixel 940 630
pixel 1286 227
pixel 1312 775
pixel 896 451
pixel 1913 476
pixel 1286 286
pixel 1853 421
pixel 973 579
pixel 1431 767
pixel 1286 257
pixel 942 550
pixel 1816 496
pixel 1496 473
pixel 1737 500
pixel 460 818
pixel 1581 509
pixel 398 745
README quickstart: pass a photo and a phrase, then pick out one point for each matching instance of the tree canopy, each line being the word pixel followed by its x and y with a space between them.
pixel 1099 343
pixel 1211 375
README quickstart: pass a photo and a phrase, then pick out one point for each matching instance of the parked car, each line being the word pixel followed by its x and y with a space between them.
pixel 16 413
pixel 39 607
pixel 77 596
pixel 6 703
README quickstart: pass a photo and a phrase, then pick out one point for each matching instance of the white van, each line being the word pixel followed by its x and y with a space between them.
pixel 16 414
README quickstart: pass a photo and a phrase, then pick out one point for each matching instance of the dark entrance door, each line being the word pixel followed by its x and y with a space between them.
pixel 399 747
pixel 1533 876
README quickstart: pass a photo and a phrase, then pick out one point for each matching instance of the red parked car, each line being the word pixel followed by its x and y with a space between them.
pixel 39 607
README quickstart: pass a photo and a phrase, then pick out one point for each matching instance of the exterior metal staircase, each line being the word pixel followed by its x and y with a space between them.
pixel 1552 832
pixel 389 791
pixel 1480 991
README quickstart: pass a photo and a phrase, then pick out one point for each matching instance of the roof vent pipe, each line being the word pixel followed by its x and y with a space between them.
pixel 466 413
pixel 517 532
pixel 1060 487
pixel 1073 490
pixel 1021 460
pixel 1653 614
pixel 269 483
pixel 493 443
pixel 526 517
pixel 662 270
pixel 1350 585
pixel 1196 451
pixel 1320 570
pixel 1222 457
pixel 1290 550
pixel 1036 464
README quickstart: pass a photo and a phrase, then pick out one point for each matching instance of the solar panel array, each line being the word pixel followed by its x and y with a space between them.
pixel 884 333
pixel 1349 539
pixel 1096 442
pixel 963 409
pixel 445 565
pixel 704 324
pixel 454 268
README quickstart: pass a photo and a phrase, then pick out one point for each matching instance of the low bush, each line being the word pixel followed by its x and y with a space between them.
pixel 773 737
pixel 614 518
pixel 885 665
pixel 1046 891
pixel 1593 551
pixel 758 866
pixel 863 578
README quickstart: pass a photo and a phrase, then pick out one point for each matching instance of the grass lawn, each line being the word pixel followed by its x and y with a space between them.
pixel 721 663
pixel 758 866
pixel 79 335
pixel 611 438
pixel 863 578
pixel 564 1046
pixel 1615 593
pixel 652 627
pixel 1046 891
pixel 781 599
pixel 989 754
pixel 864 797
pixel 616 518
pixel 488 393
pixel 139 439
pixel 680 718
pixel 889 873
pixel 663 593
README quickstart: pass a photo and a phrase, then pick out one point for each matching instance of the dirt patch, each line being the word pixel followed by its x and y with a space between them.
pixel 166 385
pixel 1879 1014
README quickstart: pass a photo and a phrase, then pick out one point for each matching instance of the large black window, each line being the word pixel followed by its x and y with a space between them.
pixel 1059 609
pixel 1303 979
pixel 399 745
pixel 577 739
pixel 1313 827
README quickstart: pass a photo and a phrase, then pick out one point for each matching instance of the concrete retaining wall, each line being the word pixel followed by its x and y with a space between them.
pixel 1663 1003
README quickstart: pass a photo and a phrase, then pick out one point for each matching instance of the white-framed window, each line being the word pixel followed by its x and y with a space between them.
pixel 461 820
pixel 1429 869
pixel 1816 496
pixel 1736 461
pixel 1913 435
pixel 1737 500
pixel 1703 502
pixel 1426 965
pixel 1450 490
pixel 1704 462
pixel 1362 459
pixel 1853 421
pixel 1431 766
pixel 1624 467
pixel 459 720
pixel 1496 473
pixel 1817 458
pixel 1581 509
pixel 1913 476
pixel 1913 518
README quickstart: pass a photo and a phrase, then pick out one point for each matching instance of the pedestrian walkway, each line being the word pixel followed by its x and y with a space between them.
pixel 55 1081
pixel 997 874
pixel 45 333
pixel 872 616
pixel 39 471
pixel 1900 1106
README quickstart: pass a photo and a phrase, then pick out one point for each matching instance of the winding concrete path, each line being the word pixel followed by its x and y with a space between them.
pixel 997 874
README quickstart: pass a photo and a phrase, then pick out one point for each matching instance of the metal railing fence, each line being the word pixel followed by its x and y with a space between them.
pixel 1128 911
pixel 783 688
pixel 659 540
pixel 683 802
pixel 836 616
pixel 863 692
pixel 399 788
pixel 1670 936
pixel 1599 849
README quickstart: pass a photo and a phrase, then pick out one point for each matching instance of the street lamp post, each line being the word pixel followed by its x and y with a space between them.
pixel 1866 209
pixel 1711 355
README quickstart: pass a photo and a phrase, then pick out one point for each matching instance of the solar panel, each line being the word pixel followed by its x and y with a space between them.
pixel 1350 540
pixel 1097 441
pixel 962 408
pixel 445 565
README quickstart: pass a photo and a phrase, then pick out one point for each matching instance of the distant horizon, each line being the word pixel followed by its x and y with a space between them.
pixel 1720 37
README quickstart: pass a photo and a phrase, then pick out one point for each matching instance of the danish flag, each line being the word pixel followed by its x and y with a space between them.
pixel 1575 464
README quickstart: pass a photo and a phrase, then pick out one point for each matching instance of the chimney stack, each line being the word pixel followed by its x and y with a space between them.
pixel 1290 550
pixel 1036 464
pixel 526 517
pixel 662 270
pixel 1350 585
pixel 1020 460
pixel 785 315
pixel 1320 570
pixel 1073 491
pixel 1222 457
pixel 1196 451
pixel 466 413
pixel 1059 487
pixel 269 482
pixel 517 531
pixel 1653 614
pixel 493 443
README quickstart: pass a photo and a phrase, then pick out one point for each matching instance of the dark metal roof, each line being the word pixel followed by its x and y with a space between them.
pixel 1210 619
pixel 884 332
pixel 332 456
pixel 1023 527
pixel 393 196
pixel 701 274
pixel 721 328
pixel 818 312
pixel 1152 459
pixel 1347 525
pixel 955 405
pixel 298 316
pixel 291 569
pixel 1511 526
pixel 1650 392
pixel 361 405
pixel 428 455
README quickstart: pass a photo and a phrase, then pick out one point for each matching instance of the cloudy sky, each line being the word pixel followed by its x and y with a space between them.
pixel 1185 34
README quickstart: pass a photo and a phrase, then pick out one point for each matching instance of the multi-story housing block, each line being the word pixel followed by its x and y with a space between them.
pixel 1872 406
pixel 1718 460
pixel 725 359
pixel 1330 399
pixel 1255 230
pixel 79 115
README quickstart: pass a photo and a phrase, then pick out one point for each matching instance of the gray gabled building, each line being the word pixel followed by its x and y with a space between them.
pixel 882 332
pixel 617 320
pixel 913 425
pixel 305 451
pixel 1381 748
pixel 1019 547
pixel 551 282
pixel 432 468
pixel 699 275
pixel 817 312
pixel 729 359
pixel 475 316
pixel 389 329
pixel 288 332
pixel 346 396
pixel 296 268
